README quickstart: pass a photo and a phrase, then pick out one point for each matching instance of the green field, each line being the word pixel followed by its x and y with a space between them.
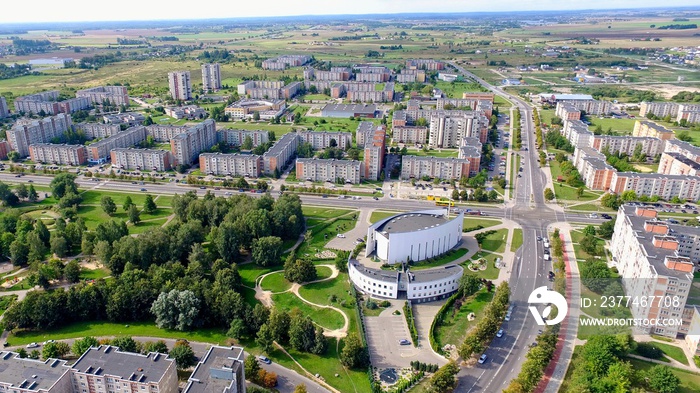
pixel 275 282
pixel 495 242
pixel 325 317
pixel 517 241
pixel 455 325
pixel 475 222
pixel 250 272
pixel 491 272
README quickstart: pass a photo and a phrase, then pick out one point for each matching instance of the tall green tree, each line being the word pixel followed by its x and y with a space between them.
pixel 267 251
pixel 108 205
pixel 354 354
pixel 134 214
pixel 32 195
pixel 62 184
pixel 149 205
pixel 127 203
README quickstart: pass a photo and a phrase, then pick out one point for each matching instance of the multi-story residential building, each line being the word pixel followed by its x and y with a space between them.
pixel 626 144
pixel 269 90
pixel 61 154
pixel 692 337
pixel 291 90
pixel 4 110
pixel 577 133
pixel 47 102
pixel 98 130
pixel 335 74
pixel 425 64
pixel 282 62
pixel 129 118
pixel 4 149
pixel 652 130
pixel 447 129
pixel 98 152
pixel 470 149
pixel 647 257
pixel 345 111
pixel 180 85
pixel 688 112
pixel 278 156
pixel 330 170
pixel 468 102
pixel 211 77
pixel 186 146
pixel 24 375
pixel 234 137
pixel 115 95
pixel 246 109
pixel 367 92
pixel 654 184
pixel 27 132
pixel 596 173
pixel 106 369
pixel 678 164
pixel 375 149
pixel 658 109
pixel 410 134
pixel 583 102
pixel 141 159
pixel 684 148
pixel 323 139
pixel 164 132
pixel 190 112
pixel 250 165
pixel 221 370
pixel 411 76
pixel 434 167
pixel 364 133
pixel 567 112
pixel 583 153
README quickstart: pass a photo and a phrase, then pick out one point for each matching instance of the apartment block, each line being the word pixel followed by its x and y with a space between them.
pixel 98 152
pixel 446 129
pixel 663 186
pixel 689 112
pixel 322 139
pixel 283 62
pixel 692 337
pixel 180 84
pixel 684 148
pixel 27 132
pixel 410 134
pixel 647 257
pixel 106 369
pixel 470 149
pixel 652 130
pixel 4 149
pixel 596 173
pixel 278 156
pixel 411 76
pixel 375 149
pixel 583 153
pixel 658 109
pixel 141 159
pixel 482 102
pixel 364 133
pixel 115 95
pixel 582 102
pixel 291 90
pixel 129 118
pixel 250 165
pixel 678 164
pixel 234 137
pixel 246 109
pixel 567 111
pixel 4 109
pixel 186 146
pixel 334 74
pixel 189 112
pixel 434 167
pixel 61 154
pixel 211 77
pixel 221 370
pixel 368 92
pixel 627 144
pixel 48 103
pixel 164 132
pixel 330 170
pixel 425 64
pixel 98 130
pixel 24 375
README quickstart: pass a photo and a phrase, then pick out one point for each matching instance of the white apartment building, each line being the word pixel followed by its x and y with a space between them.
pixel 684 148
pixel 164 132
pixel 689 112
pixel 27 132
pixel 98 130
pixel 141 159
pixel 410 134
pixel 180 85
pixel 678 164
pixel 186 146
pixel 567 111
pixel 322 139
pixel 329 170
pixel 4 110
pixel 646 254
pixel 234 137
pixel 576 132
pixel 98 152
pixel 116 95
pixel 434 168
pixel 651 129
pixel 654 184
pixel 447 130
pixel 221 370
pixel 627 144
pixel 211 77
pixel 190 112
pixel 364 133
pixel 658 109
pixel 231 164
pixel 60 154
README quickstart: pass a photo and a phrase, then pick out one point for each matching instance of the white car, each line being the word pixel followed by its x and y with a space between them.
pixel 340 235
pixel 593 215
pixel 49 341
pixel 500 333
pixel 482 359
pixel 32 345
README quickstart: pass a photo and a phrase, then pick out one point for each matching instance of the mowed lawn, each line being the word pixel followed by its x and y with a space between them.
pixel 496 241
pixel 325 317
pixel 275 282
pixel 321 292
pixel 456 323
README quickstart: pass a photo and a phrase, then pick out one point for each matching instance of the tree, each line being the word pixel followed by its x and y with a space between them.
pixel 59 245
pixel 548 194
pixel 72 271
pixel 301 332
pixel 443 380
pixel 55 350
pixel 149 205
pixel 301 388
pixel 155 346
pixel 354 354
pixel 267 251
pixel 62 184
pixel 611 201
pixel 8 197
pixel 606 229
pixel 455 194
pixel 42 231
pixel 176 309
pixel 183 354
pixel 32 195
pixel 13 156
pixel 22 353
pixel 83 344
pixel 251 367
pixel 589 244
pixel 595 275
pixel 134 214
pixel 589 230
pixel 127 203
pixel 662 380
pixel 579 192
pixel 265 338
pixel 299 270
pixel 21 191
pixel 126 344
pixel 108 205
pixel 247 143
pixel 628 196
pixel 469 284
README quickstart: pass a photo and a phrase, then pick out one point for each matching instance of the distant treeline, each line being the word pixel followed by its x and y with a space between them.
pixel 679 26
pixel 353 37
pixel 629 51
pixel 7 72
pixel 391 47
pixel 687 96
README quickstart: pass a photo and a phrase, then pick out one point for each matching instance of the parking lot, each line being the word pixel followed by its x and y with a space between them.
pixel 383 335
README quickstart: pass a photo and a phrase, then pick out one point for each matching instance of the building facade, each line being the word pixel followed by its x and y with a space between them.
pixel 221 370
pixel 98 130
pixel 678 164
pixel 99 152
pixel 4 109
pixel 329 170
pixel 654 184
pixel 249 165
pixel 60 154
pixel 323 139
pixel 375 149
pixel 27 132
pixel 652 130
pixel 658 109
pixel 115 95
pixel 141 159
pixel 186 146
pixel 416 167
pixel 180 85
pixel 410 134
pixel 211 77
pixel 234 137
pixel 279 155
pixel 566 112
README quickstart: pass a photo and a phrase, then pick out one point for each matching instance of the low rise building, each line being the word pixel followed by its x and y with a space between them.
pixel 330 170
pixel 349 110
pixel 652 130
pixel 250 165
pixel 221 370
pixel 235 137
pixel 246 109
pixel 115 95
pixel 128 118
pixel 323 139
pixel 279 155
pixel 59 154
pixel 189 112
pixel 141 159
pixel 583 102
pixel 99 152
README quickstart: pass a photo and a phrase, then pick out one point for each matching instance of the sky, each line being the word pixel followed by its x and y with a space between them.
pixel 91 10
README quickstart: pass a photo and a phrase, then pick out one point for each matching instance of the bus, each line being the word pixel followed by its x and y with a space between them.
pixel 443 202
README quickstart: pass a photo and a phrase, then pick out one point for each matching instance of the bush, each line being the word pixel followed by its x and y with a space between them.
pixel 649 350
pixel 408 314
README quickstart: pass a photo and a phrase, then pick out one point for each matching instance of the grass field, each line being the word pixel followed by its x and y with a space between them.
pixel 380 215
pixel 275 282
pixel 495 242
pixel 455 325
pixel 517 241
pixel 93 274
pixel 491 272
pixel 325 317
pixel 451 256
pixel 474 222
pixel 320 292
pixel 250 271
pixel 673 352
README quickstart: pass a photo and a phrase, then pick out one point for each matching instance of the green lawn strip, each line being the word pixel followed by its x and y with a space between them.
pixel 380 215
pixel 320 292
pixel 5 302
pixel 586 331
pixel 93 197
pixel 690 382
pixel 569 370
pixel 324 232
pixel 446 258
pixel 456 324
pixel 475 222
pixel 515 164
pixel 100 329
pixel 250 271
pixel 325 317
pixel 495 242
pixel 144 226
pixel 275 282
pixel 566 192
pixel 491 272
pixel 323 212
pixel 517 241
pixel 590 207
pixel 94 274
pixel 576 237
pixel 673 352
pixel 323 272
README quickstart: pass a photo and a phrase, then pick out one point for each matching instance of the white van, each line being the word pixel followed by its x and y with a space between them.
pixel 546 244
pixel 547 257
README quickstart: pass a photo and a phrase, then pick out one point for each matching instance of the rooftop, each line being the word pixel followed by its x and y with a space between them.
pixel 109 360
pixel 599 164
pixel 332 161
pixel 282 143
pixel 29 373
pixel 377 274
pixel 685 160
pixel 558 97
pixel 428 275
pixel 365 126
pixel 215 372
pixel 410 222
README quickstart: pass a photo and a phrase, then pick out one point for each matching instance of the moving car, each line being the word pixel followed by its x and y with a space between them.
pixel 264 359
pixel 482 359
pixel 341 236
pixel 606 216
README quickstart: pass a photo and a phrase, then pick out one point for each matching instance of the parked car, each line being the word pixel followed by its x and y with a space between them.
pixel 403 341
pixel 341 236
pixel 482 359
pixel 606 216
pixel 500 333
pixel 264 359
pixel 32 345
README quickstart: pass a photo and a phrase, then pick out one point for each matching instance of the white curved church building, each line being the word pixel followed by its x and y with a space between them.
pixel 416 235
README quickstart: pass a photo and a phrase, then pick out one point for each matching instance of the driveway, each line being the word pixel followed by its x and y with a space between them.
pixel 383 335
pixel 358 232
